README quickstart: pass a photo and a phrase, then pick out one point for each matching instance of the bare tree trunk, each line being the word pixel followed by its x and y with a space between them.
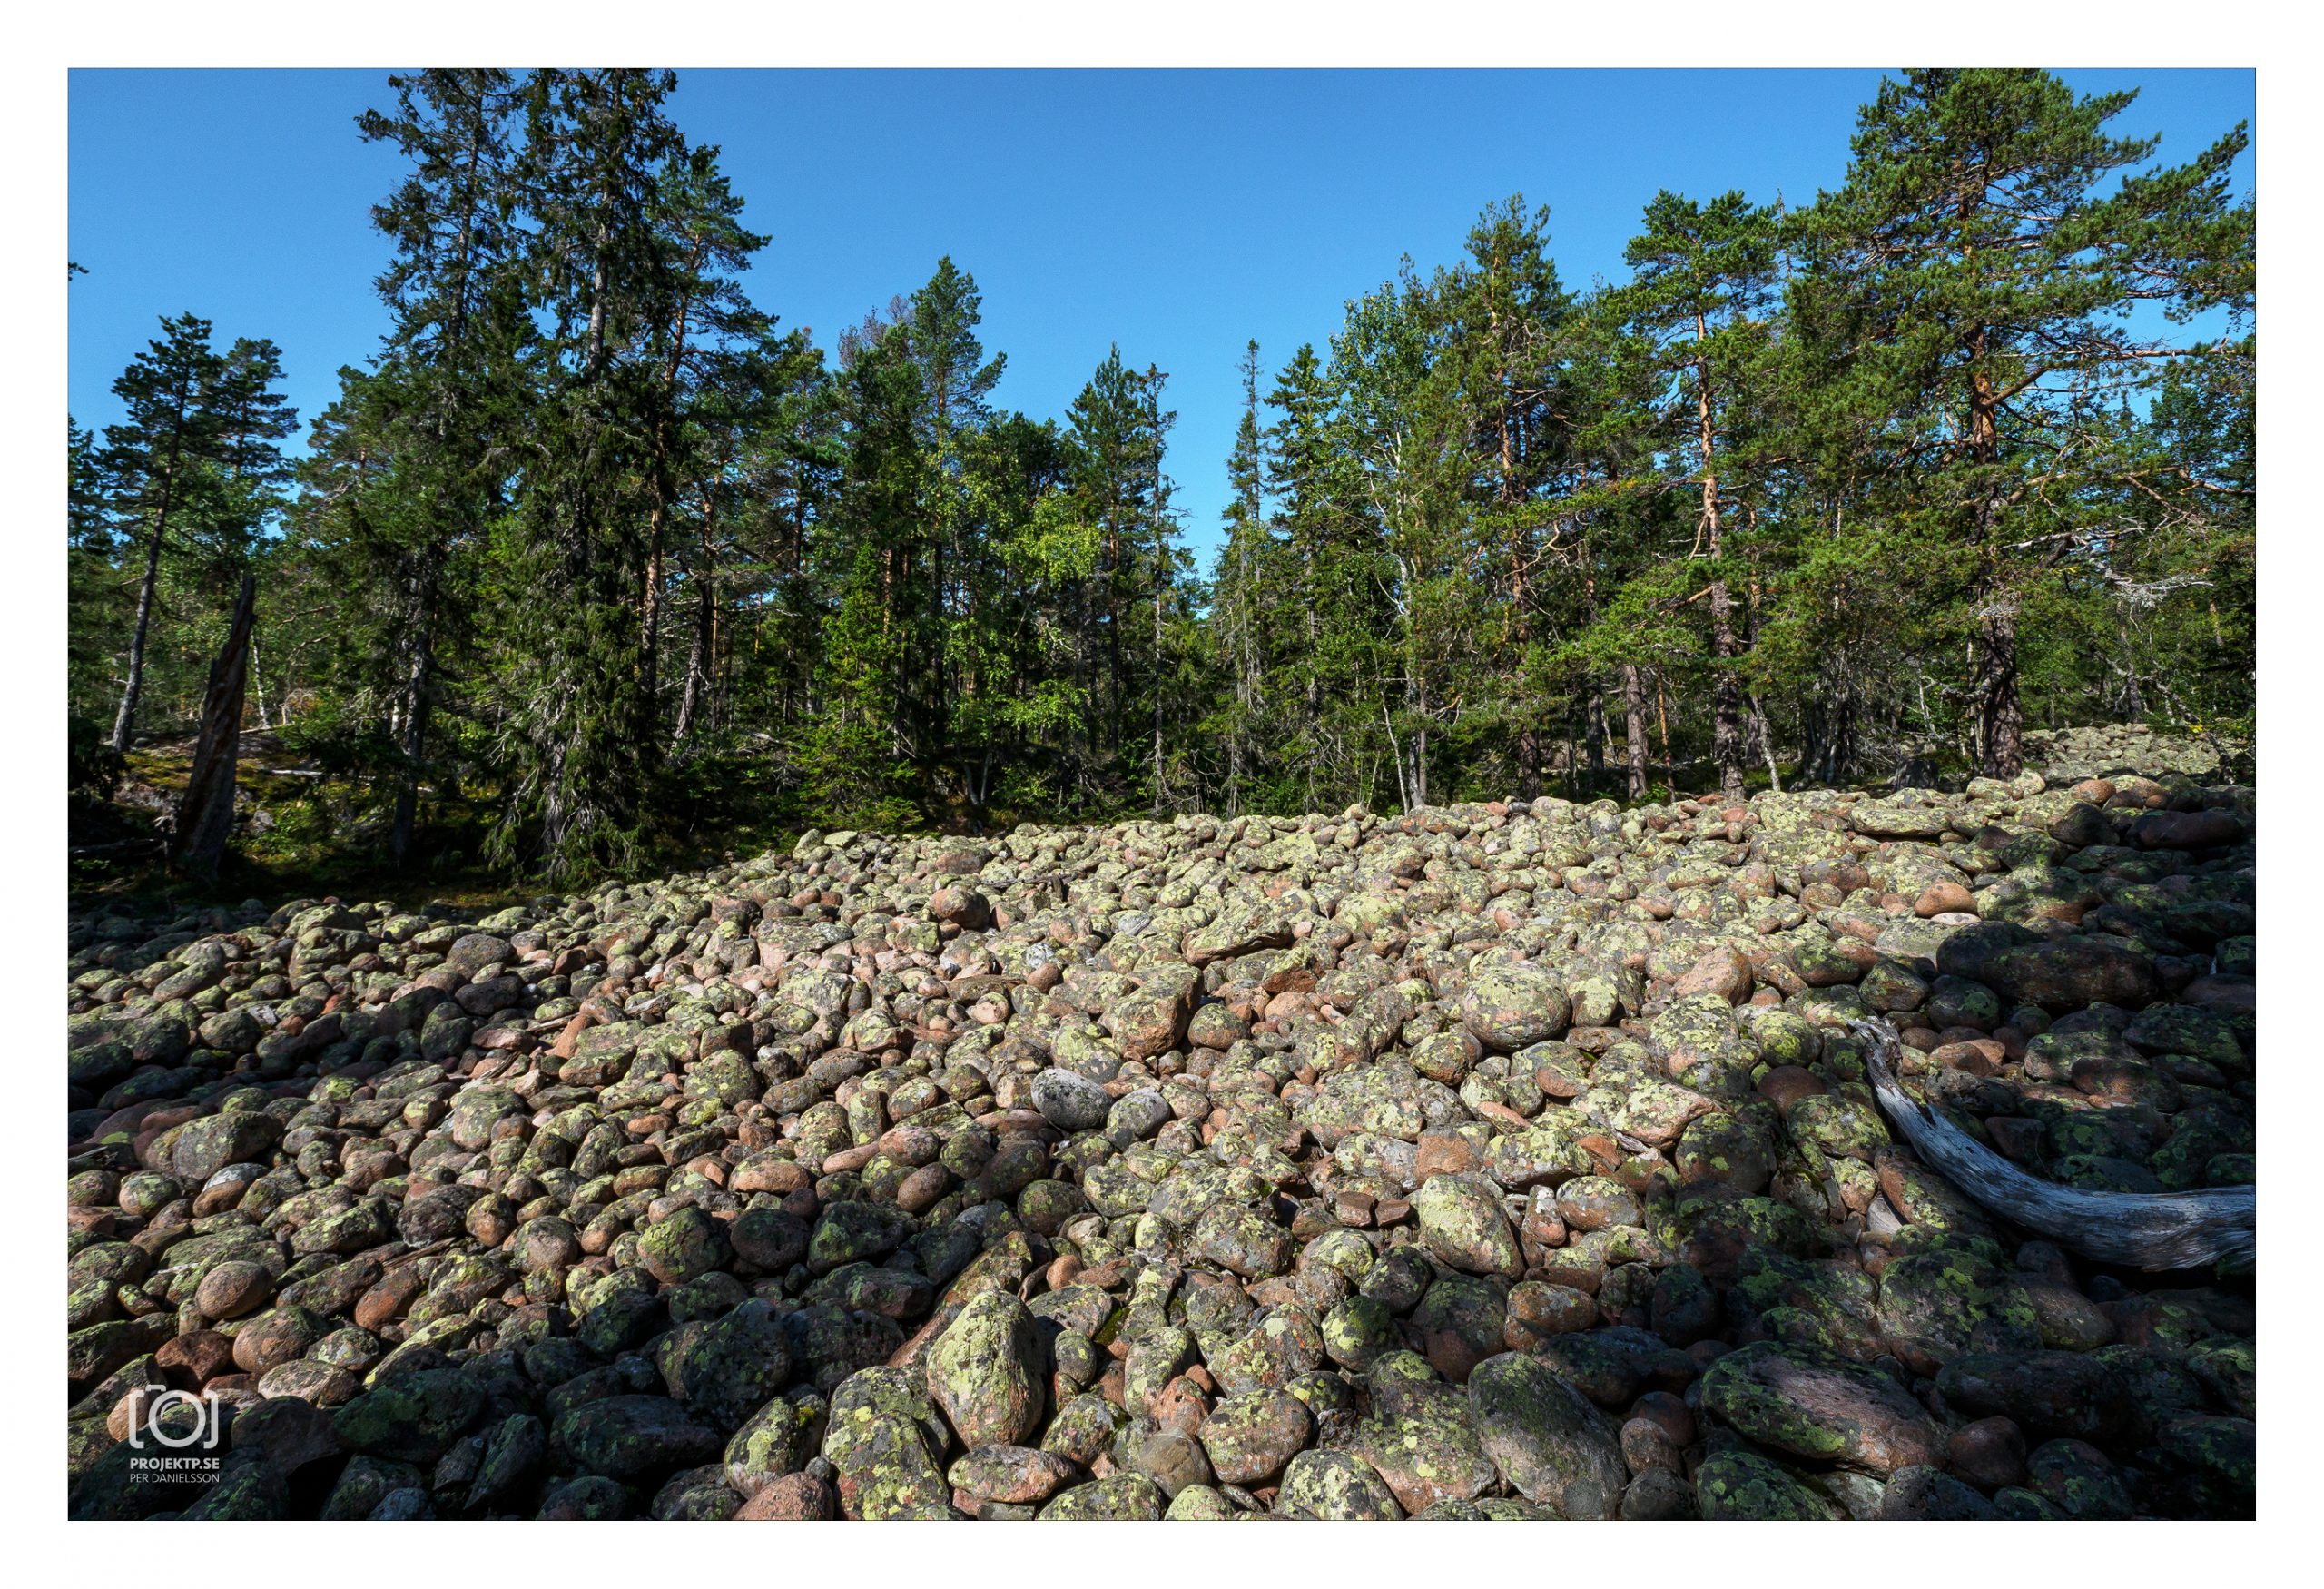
pixel 1161 562
pixel 2000 720
pixel 1767 744
pixel 1528 732
pixel 1157 693
pixel 1311 695
pixel 1727 697
pixel 697 656
pixel 702 652
pixel 258 687
pixel 124 719
pixel 1634 729
pixel 2154 1231
pixel 1396 753
pixel 2133 697
pixel 413 714
pixel 205 813
pixel 1161 567
pixel 658 517
pixel 1727 703
pixel 721 666
pixel 649 665
pixel 1662 721
pixel 1234 750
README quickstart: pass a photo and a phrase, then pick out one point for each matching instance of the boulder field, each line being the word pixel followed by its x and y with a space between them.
pixel 1494 1161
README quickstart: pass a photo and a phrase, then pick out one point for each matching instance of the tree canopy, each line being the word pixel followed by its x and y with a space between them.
pixel 591 547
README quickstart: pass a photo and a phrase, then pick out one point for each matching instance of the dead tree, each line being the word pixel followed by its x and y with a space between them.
pixel 2142 1230
pixel 205 813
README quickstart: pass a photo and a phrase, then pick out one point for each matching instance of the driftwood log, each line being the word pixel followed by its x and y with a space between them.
pixel 2142 1230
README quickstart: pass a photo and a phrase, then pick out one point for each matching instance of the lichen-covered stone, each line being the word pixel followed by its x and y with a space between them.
pixel 1420 1440
pixel 1335 1486
pixel 1462 1225
pixel 1545 1438
pixel 1126 1497
pixel 1815 1404
pixel 984 1374
pixel 1196 1165
pixel 1735 1487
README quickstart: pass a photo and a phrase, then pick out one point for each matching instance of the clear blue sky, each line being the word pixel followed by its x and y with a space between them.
pixel 1176 213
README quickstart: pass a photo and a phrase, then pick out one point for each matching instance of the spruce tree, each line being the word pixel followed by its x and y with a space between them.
pixel 581 729
pixel 447 411
pixel 1510 309
pixel 1243 587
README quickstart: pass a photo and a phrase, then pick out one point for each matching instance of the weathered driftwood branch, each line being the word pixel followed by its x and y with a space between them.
pixel 2144 1231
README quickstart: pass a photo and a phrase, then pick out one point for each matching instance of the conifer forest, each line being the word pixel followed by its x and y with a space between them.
pixel 593 559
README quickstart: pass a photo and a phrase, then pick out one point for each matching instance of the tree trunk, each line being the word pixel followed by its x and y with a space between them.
pixel 1528 732
pixel 414 712
pixel 2154 1231
pixel 1726 690
pixel 1529 762
pixel 124 720
pixel 2000 721
pixel 1158 690
pixel 205 813
pixel 697 656
pixel 1662 721
pixel 1235 746
pixel 258 687
pixel 1521 559
pixel 658 517
pixel 649 668
pixel 1310 692
pixel 1634 727
pixel 1767 744
pixel 1727 697
pixel 721 666
pixel 699 652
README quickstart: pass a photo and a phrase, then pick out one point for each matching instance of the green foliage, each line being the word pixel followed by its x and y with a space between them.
pixel 92 766
pixel 592 567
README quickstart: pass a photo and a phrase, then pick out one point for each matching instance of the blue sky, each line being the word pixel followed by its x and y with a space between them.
pixel 1176 213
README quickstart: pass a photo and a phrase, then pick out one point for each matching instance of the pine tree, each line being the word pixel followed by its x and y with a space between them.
pixel 757 478
pixel 706 339
pixel 1965 291
pixel 590 537
pixel 161 458
pixel 1702 300
pixel 1404 425
pixel 1611 530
